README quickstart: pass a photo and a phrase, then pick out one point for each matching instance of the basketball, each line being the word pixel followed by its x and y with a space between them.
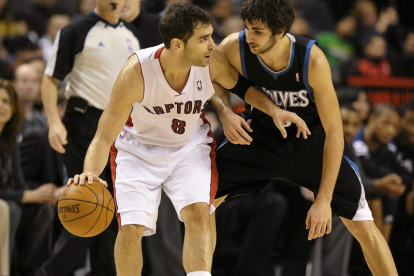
pixel 86 210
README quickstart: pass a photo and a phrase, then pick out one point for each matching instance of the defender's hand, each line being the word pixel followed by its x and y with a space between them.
pixel 283 118
pixel 319 219
pixel 90 177
pixel 235 128
pixel 57 136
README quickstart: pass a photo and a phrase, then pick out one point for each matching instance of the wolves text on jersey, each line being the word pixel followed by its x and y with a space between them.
pixel 287 99
pixel 189 107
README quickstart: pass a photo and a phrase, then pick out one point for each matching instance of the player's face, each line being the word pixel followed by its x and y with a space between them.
pixel 407 126
pixel 259 37
pixel 5 107
pixel 386 126
pixel 200 46
pixel 350 123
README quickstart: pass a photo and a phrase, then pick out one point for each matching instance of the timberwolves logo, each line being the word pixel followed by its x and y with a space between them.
pixel 287 99
pixel 129 44
pixel 199 85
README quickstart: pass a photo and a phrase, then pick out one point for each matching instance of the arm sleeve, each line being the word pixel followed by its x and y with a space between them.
pixel 63 53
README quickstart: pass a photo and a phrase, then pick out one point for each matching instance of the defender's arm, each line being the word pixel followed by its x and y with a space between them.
pixel 319 217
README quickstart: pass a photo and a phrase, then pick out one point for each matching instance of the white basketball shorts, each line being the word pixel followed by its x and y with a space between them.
pixel 188 174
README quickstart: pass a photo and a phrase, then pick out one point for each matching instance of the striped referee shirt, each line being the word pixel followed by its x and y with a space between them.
pixel 90 52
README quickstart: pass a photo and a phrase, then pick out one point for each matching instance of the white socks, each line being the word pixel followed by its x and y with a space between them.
pixel 199 273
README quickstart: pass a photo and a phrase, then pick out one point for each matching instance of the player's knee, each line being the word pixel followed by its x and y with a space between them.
pixel 196 214
pixel 132 230
pixel 363 231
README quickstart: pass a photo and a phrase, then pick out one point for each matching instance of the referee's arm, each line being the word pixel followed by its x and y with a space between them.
pixel 57 131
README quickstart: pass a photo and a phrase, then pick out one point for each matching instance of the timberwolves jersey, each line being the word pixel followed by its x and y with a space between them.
pixel 289 89
pixel 165 117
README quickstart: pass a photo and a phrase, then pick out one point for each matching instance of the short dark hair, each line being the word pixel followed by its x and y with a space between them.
pixel 402 109
pixel 180 20
pixel 276 14
pixel 8 137
pixel 380 108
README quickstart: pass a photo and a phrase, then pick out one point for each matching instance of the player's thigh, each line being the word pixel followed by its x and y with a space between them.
pixel 138 173
pixel 193 180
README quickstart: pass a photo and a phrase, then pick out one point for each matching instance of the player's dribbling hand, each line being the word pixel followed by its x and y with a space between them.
pixel 283 118
pixel 235 128
pixel 319 219
pixel 81 179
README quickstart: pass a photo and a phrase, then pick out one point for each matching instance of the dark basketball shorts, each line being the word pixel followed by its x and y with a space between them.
pixel 246 169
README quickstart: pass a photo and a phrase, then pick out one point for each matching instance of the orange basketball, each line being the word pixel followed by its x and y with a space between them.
pixel 86 210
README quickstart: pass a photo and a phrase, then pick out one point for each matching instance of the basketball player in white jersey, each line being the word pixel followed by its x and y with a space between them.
pixel 166 142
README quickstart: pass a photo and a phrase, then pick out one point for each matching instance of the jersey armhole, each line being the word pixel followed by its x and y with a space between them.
pixel 242 56
pixel 143 80
pixel 306 68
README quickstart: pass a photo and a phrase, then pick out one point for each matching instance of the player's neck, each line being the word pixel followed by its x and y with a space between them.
pixel 109 16
pixel 175 70
pixel 278 57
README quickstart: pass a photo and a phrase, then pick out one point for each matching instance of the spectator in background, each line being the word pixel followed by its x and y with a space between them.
pixel 385 24
pixel 31 219
pixel 87 6
pixel 56 22
pixel 301 27
pixel 9 26
pixel 374 63
pixel 338 46
pixel 358 99
pixel 404 141
pixel 37 15
pixel 403 66
pixel 39 65
pixel 22 49
pixel 402 238
pixel 145 23
pixel 27 85
pixel 224 22
pixel 316 13
pixel 378 160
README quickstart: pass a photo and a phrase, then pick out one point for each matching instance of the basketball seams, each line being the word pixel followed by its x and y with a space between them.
pixel 98 199
pixel 80 200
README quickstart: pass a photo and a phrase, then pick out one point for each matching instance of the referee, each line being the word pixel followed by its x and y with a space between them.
pixel 89 53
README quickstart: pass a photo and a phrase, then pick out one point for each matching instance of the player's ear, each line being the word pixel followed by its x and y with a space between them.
pixel 177 44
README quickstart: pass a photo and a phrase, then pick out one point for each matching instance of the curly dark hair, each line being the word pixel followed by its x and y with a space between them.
pixel 8 137
pixel 180 20
pixel 276 14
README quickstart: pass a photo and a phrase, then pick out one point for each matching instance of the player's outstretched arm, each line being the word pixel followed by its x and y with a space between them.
pixel 128 88
pixel 319 219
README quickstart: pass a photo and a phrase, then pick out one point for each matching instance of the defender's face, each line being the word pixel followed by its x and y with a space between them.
pixel 200 46
pixel 259 37
pixel 407 125
pixel 386 126
pixel 350 123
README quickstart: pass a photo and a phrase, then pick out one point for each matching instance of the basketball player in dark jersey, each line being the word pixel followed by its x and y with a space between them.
pixel 295 74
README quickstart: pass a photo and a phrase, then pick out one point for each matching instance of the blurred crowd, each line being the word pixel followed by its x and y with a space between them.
pixel 373 39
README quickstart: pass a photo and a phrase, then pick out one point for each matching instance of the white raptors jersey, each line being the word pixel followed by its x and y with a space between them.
pixel 166 117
